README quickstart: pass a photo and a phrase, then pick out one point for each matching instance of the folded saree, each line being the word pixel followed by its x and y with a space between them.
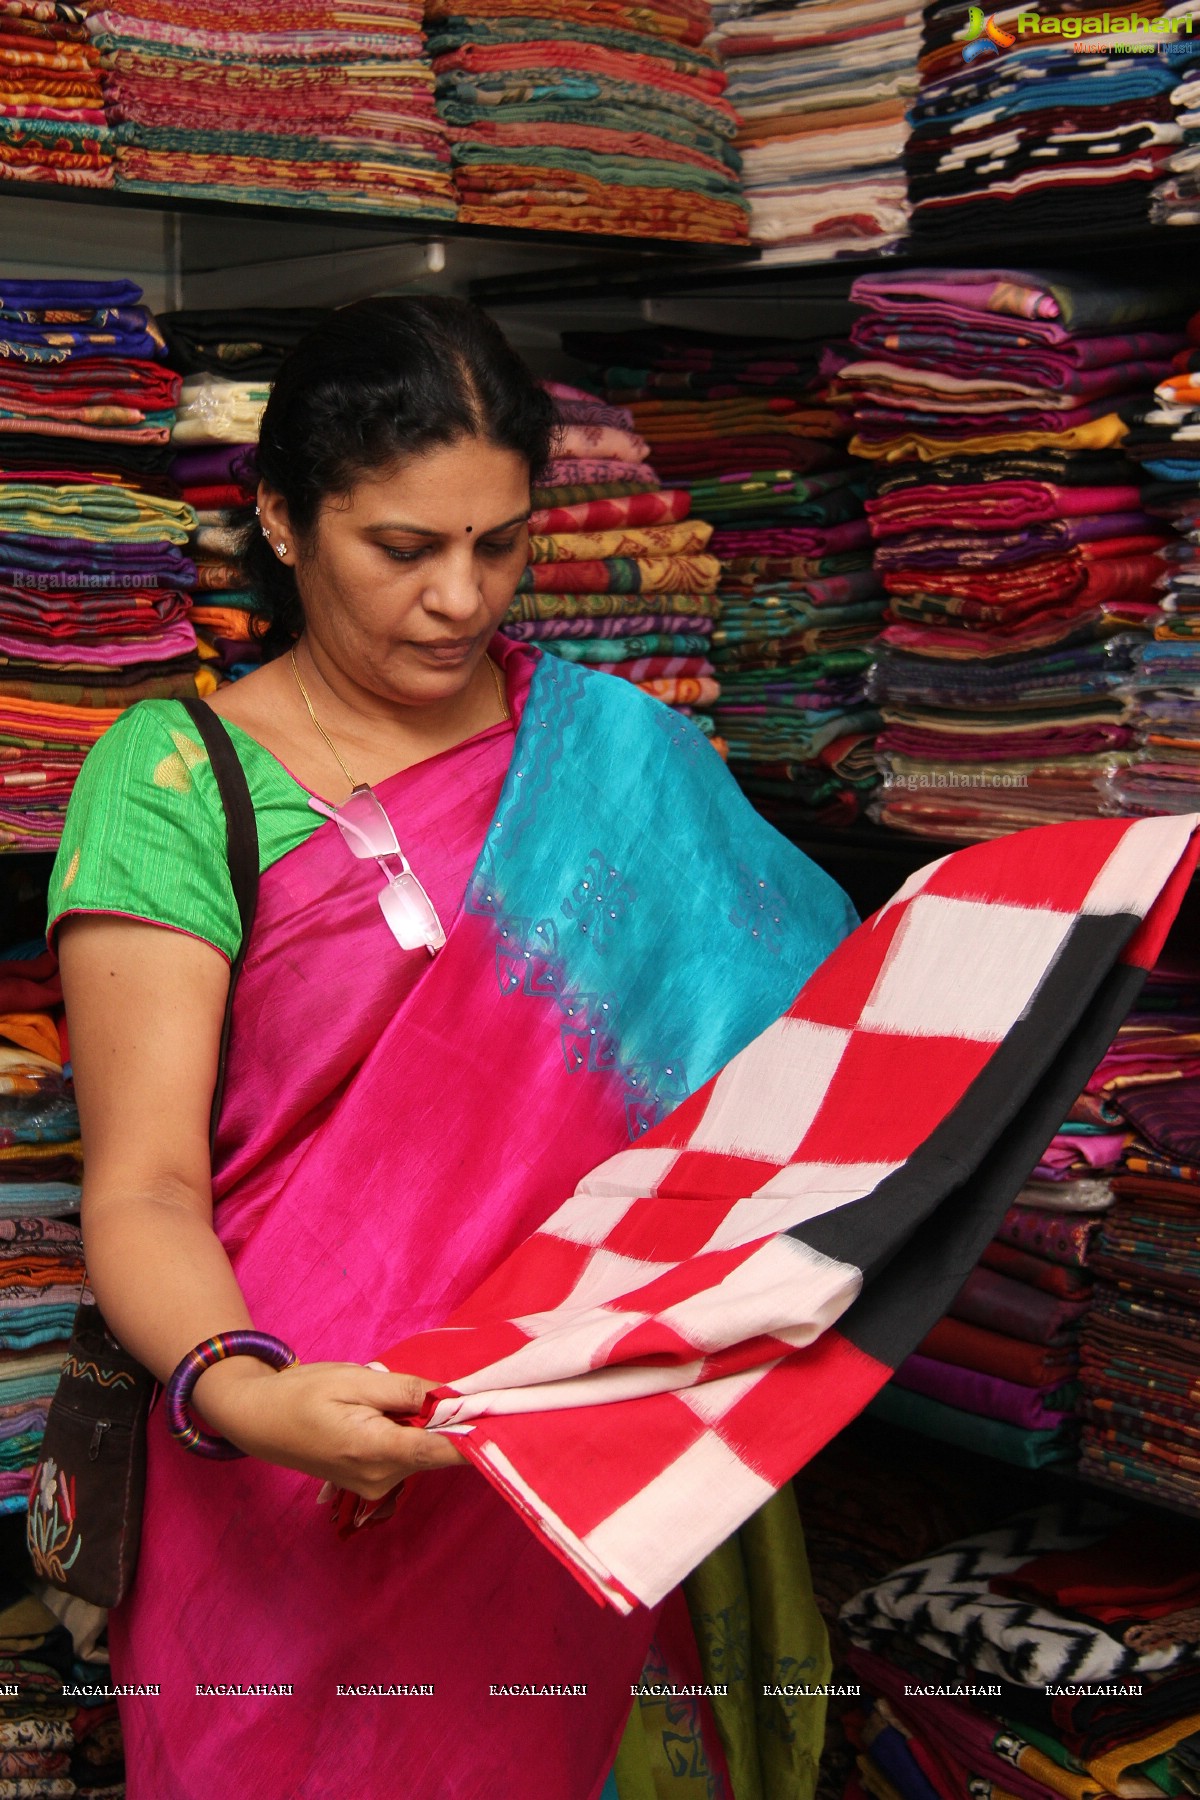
pixel 583 606
pixel 697 573
pixel 654 508
pixel 687 538
pixel 714 1302
pixel 1028 1365
pixel 1029 1408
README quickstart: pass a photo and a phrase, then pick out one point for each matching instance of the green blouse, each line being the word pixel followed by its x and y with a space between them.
pixel 145 827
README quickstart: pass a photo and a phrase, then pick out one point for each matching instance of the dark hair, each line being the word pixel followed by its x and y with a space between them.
pixel 376 381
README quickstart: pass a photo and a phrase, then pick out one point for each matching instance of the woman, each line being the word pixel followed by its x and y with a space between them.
pixel 398 1112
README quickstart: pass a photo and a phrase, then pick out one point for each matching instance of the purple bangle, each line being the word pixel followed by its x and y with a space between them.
pixel 178 1393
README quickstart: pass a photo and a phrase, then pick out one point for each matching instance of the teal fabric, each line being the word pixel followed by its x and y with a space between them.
pixel 990 1437
pixel 682 924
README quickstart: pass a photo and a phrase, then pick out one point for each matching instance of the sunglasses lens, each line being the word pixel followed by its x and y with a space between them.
pixel 365 826
pixel 410 915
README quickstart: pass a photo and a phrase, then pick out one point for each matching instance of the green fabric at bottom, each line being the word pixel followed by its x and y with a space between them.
pixel 757 1627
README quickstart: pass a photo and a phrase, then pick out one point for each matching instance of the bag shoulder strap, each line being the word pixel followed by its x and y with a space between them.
pixel 241 832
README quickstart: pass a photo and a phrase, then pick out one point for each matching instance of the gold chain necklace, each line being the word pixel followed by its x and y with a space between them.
pixel 500 695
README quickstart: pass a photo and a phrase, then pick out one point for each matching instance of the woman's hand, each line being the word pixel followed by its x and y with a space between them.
pixel 326 1419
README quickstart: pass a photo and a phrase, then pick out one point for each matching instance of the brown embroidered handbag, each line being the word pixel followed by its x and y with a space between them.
pixel 84 1524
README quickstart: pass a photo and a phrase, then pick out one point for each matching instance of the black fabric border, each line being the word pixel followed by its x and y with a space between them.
pixel 918 1235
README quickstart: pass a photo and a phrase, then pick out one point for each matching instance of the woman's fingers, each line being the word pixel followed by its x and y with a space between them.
pixel 340 1422
pixel 390 1392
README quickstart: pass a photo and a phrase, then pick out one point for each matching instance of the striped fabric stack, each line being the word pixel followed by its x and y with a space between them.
pixel 1041 128
pixel 52 123
pixel 1141 1340
pixel 821 87
pixel 619 577
pixel 588 115
pixel 93 544
pixel 228 359
pixel 743 426
pixel 313 103
pixel 1165 684
pixel 1019 563
pixel 41 1258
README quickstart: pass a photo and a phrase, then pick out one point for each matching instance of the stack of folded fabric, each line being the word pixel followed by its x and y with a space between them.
pixel 92 538
pixel 38 1754
pixel 743 423
pixel 998 1374
pixel 1033 137
pixel 619 578
pixel 1019 563
pixel 1165 684
pixel 800 606
pixel 821 87
pixel 41 1260
pixel 588 115
pixel 228 359
pixel 1141 1342
pixel 1176 198
pixel 52 123
pixel 852 1541
pixel 327 103
pixel 710 404
pixel 1053 1655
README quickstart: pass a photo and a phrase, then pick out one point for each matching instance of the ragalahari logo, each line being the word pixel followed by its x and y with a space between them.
pixel 983 34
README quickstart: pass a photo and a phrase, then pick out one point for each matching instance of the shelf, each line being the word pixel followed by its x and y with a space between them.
pixel 1161 252
pixel 195 237
pixel 502 266
pixel 1022 1487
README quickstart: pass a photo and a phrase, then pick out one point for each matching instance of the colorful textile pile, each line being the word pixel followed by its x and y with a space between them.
pixel 800 605
pixel 52 123
pixel 821 87
pixel 1165 684
pixel 93 543
pixel 1034 136
pixel 743 423
pixel 228 359
pixel 1019 562
pixel 620 577
pixel 324 103
pixel 1054 1655
pixel 1141 1344
pixel 41 1725
pixel 1176 199
pixel 41 1260
pixel 587 117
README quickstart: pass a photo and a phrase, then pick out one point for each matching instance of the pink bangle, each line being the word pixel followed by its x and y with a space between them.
pixel 178 1392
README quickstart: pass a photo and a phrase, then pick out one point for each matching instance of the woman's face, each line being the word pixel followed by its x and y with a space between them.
pixel 405 579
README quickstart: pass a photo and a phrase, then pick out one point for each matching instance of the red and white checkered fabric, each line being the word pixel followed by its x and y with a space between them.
pixel 642 1373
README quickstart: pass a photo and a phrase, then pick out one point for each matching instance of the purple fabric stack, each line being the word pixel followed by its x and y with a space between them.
pixel 1019 564
pixel 998 1374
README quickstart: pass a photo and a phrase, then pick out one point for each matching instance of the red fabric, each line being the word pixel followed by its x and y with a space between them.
pixel 974 1347
pixel 1132 1573
pixel 679 1337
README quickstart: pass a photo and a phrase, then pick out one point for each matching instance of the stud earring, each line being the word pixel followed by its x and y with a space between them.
pixel 281 550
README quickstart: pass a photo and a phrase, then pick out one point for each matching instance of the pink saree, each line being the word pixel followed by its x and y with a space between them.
pixel 393 1128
